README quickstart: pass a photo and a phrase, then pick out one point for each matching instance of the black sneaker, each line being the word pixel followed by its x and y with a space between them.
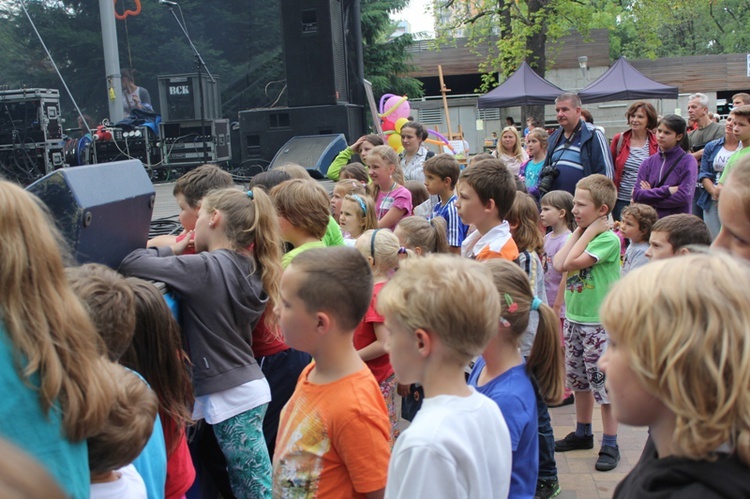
pixel 545 489
pixel 574 442
pixel 608 458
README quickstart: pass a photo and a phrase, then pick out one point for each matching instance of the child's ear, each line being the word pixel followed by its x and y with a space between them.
pixel 603 210
pixel 323 323
pixel 681 252
pixel 424 342
pixel 489 205
pixel 418 250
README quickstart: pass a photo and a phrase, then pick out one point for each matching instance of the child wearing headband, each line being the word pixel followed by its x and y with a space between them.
pixel 381 249
pixel 502 374
pixel 357 216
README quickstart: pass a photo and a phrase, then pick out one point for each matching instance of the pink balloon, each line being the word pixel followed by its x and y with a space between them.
pixel 402 111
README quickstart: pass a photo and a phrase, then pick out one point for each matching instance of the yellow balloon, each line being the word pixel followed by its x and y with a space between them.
pixel 400 123
pixel 400 150
pixel 394 141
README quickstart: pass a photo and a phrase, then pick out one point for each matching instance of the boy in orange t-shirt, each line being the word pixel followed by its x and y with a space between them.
pixel 334 432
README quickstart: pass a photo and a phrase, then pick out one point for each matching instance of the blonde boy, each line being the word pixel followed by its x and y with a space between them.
pixel 734 212
pixel 591 257
pixel 440 176
pixel 486 191
pixel 458 444
pixel 334 433
pixel 304 212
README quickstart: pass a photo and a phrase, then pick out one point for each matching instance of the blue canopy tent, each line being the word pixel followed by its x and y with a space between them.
pixel 623 82
pixel 522 88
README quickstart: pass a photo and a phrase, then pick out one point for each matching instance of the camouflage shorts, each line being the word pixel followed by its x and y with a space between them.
pixel 584 346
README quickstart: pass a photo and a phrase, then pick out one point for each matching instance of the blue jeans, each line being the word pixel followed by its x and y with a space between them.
pixel 711 217
pixel 547 464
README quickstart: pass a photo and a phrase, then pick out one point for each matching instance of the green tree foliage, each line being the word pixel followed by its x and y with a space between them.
pixel 240 41
pixel 386 59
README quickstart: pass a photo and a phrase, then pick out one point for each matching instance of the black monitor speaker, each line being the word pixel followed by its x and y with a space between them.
pixel 103 211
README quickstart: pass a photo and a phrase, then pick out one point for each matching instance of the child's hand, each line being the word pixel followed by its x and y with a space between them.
pixel 599 226
pixel 180 247
pixel 355 147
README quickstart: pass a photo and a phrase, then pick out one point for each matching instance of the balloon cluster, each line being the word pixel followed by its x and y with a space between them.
pixel 394 114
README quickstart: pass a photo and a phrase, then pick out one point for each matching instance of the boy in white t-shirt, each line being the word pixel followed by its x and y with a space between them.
pixel 458 444
pixel 130 423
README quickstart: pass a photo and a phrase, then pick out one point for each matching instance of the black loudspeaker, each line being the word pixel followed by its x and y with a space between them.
pixel 264 131
pixel 180 97
pixel 103 211
pixel 314 35
pixel 314 152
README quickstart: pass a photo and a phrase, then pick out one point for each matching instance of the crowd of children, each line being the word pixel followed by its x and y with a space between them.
pixel 301 321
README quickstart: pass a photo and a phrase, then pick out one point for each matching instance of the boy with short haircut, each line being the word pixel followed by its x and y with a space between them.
pixel 303 209
pixel 188 192
pixel 636 222
pixel 441 174
pixel 591 257
pixel 486 191
pixel 741 130
pixel 123 437
pixel 110 301
pixel 734 212
pixel 458 444
pixel 671 235
pixel 334 433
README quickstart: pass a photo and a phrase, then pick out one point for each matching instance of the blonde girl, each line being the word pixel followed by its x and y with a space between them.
pixel 536 147
pixel 509 149
pixel 523 389
pixel 392 199
pixel 382 250
pixel 677 362
pixel 340 191
pixel 357 216
pixel 225 289
pixel 51 357
pixel 423 236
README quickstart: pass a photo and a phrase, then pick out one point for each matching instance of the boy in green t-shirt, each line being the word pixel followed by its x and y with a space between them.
pixel 591 257
pixel 741 131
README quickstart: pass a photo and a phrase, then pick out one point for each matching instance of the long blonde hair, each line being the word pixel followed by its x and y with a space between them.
pixel 545 362
pixel 685 321
pixel 389 156
pixel 251 221
pixel 49 329
pixel 517 151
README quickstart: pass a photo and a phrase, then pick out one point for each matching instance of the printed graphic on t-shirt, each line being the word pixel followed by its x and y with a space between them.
pixel 579 281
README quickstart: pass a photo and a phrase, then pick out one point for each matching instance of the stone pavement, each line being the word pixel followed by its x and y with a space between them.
pixel 578 478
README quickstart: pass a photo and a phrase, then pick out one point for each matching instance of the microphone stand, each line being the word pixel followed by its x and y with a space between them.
pixel 201 66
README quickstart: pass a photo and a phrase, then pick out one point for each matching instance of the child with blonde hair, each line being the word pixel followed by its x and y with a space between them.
pixel 536 147
pixel 51 356
pixel 342 189
pixel 502 374
pixel 458 444
pixel 225 289
pixel 303 210
pixel 423 236
pixel 734 211
pixel 392 199
pixel 382 251
pixel 357 216
pixel 677 362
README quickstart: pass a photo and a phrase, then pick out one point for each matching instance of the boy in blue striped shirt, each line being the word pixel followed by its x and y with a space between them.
pixel 440 176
